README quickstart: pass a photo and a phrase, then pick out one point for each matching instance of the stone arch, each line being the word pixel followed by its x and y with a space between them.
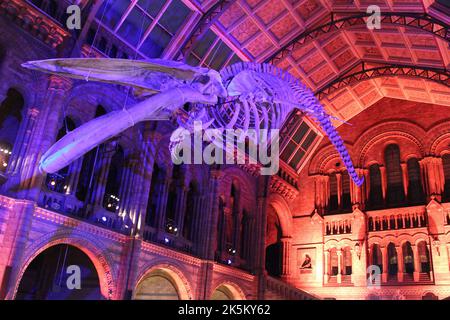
pixel 101 262
pixel 175 274
pixel 440 139
pixel 390 132
pixel 231 289
pixel 325 159
pixel 283 212
pixel 341 243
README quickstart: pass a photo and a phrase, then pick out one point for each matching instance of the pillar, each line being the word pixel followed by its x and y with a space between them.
pixel 209 238
pixel 400 263
pixel 98 193
pixel 385 263
pixel 417 265
pixel 43 136
pixel 286 243
pixel 326 266
pixel 404 167
pixel 383 181
pixel 180 208
pixel 322 193
pixel 339 256
pixel 74 176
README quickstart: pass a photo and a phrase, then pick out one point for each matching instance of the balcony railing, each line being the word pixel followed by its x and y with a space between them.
pixel 69 205
pixel 400 218
pixel 174 241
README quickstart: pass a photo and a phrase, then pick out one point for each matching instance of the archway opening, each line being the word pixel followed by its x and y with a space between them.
pixel 10 119
pixel 392 261
pixel 424 257
pixel 222 293
pixel 61 272
pixel 158 285
pixel 408 257
pixel 273 243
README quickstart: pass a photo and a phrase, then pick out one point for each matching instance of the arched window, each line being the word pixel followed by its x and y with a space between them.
pixel 220 226
pixel 158 176
pixel 189 213
pixel 446 165
pixel 346 202
pixel 172 199
pixel 273 243
pixel 347 261
pixel 415 189
pixel 245 244
pixel 377 256
pixel 230 228
pixel 408 257
pixel 395 193
pixel 111 199
pixel 333 204
pixel 392 261
pixel 424 257
pixel 376 193
pixel 334 262
pixel 10 118
pixel 58 181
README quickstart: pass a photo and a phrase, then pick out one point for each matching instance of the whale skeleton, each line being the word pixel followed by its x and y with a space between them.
pixel 242 96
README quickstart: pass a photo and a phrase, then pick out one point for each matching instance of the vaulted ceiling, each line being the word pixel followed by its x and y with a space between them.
pixel 414 33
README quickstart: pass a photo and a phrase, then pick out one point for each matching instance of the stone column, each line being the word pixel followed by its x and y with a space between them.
pixel 322 193
pixel 126 193
pixel 209 239
pixel 74 176
pixel 383 182
pixel 144 169
pixel 103 169
pixel 326 266
pixel 339 188
pixel 385 263
pixel 43 136
pixel 162 204
pixel 19 152
pixel 262 185
pixel 339 257
pixel 404 167
pixel 286 243
pixel 417 265
pixel 180 208
pixel 400 263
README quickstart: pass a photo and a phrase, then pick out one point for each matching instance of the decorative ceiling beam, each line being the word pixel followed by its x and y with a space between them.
pixel 206 21
pixel 362 71
pixel 421 21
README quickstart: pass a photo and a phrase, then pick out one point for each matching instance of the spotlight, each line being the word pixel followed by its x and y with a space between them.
pixel 229 261
pixel 175 229
pixel 65 187
pixel 166 240
pixel 117 207
pixel 109 205
pixel 104 219
pixel 53 182
pixel 5 164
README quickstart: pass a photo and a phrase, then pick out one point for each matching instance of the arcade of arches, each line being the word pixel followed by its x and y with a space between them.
pixel 136 226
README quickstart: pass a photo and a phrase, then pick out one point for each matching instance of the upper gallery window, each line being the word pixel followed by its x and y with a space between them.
pixel 297 141
pixel 146 25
